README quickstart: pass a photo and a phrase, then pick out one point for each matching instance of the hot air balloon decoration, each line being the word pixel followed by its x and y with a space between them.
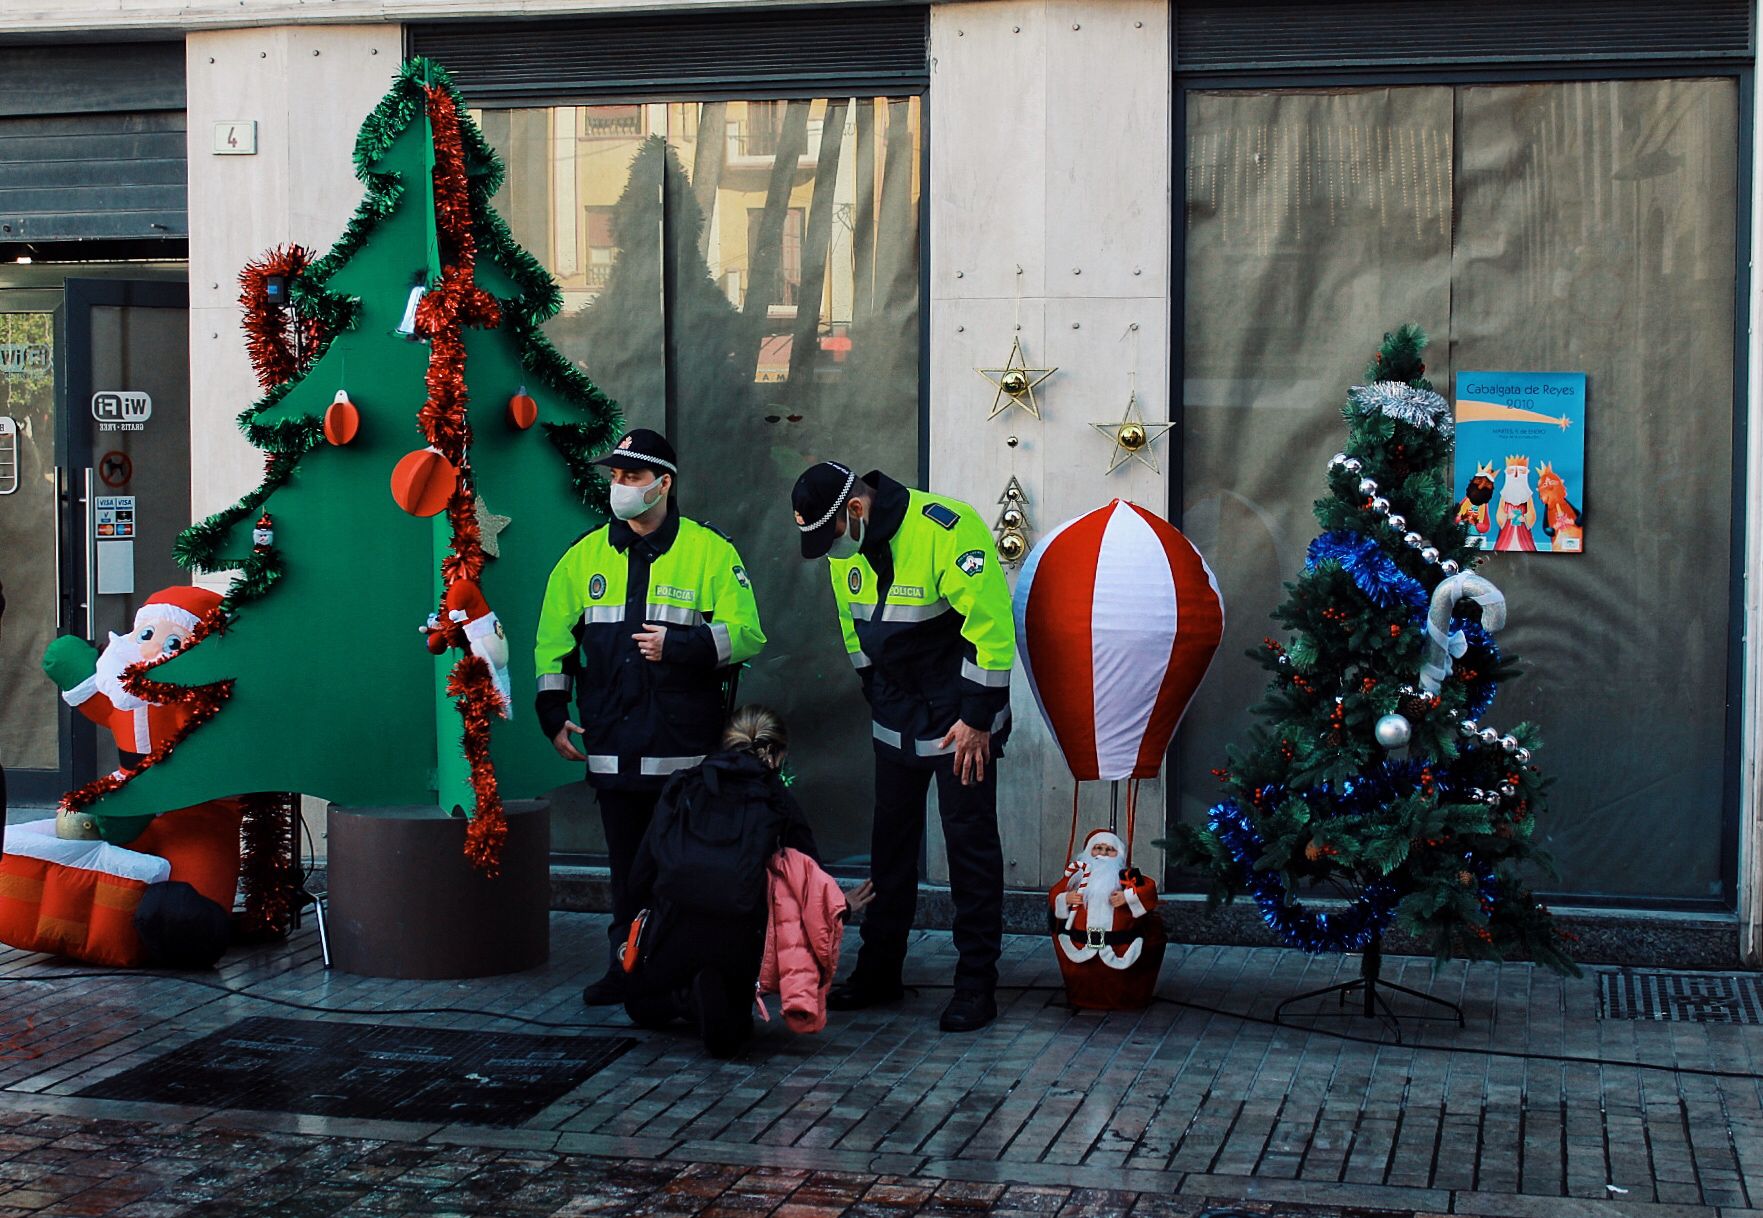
pixel 1117 619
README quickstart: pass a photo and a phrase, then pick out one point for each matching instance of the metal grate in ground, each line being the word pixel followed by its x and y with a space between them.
pixel 369 1071
pixel 1680 997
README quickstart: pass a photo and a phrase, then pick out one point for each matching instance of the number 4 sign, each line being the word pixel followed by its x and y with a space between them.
pixel 235 137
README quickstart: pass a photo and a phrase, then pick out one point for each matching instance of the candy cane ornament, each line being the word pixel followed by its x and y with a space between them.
pixel 1443 645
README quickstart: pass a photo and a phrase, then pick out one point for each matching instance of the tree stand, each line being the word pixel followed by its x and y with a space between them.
pixel 1369 985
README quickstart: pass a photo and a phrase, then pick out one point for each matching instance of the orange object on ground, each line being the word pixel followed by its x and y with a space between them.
pixel 73 899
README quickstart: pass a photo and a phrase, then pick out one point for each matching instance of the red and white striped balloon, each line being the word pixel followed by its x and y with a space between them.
pixel 1117 619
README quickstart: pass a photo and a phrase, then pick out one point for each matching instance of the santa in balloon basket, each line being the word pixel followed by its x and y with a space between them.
pixel 1117 617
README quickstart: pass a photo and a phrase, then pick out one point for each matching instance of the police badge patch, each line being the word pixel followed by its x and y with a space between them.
pixel 741 577
pixel 596 587
pixel 854 581
pixel 972 562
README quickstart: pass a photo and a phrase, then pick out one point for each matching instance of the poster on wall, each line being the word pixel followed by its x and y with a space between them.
pixel 1520 467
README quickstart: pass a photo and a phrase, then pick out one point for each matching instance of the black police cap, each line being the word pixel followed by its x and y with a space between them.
pixel 817 497
pixel 642 449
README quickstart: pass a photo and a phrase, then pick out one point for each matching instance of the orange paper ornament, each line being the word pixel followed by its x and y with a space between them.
pixel 341 419
pixel 423 482
pixel 523 412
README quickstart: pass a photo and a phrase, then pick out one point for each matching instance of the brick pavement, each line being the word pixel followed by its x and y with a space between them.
pixel 1047 1111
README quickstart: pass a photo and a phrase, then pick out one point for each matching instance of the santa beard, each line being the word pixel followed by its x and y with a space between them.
pixel 122 652
pixel 1101 882
pixel 1516 492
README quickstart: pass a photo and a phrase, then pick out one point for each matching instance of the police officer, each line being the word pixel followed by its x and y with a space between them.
pixel 644 616
pixel 926 616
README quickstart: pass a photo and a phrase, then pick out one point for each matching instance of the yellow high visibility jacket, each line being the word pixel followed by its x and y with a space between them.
pixel 644 719
pixel 927 620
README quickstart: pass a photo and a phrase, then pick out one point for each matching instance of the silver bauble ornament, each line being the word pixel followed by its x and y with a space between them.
pixel 1414 539
pixel 1469 727
pixel 1489 735
pixel 1367 487
pixel 1380 505
pixel 1508 790
pixel 1338 460
pixel 1449 566
pixel 1394 731
pixel 1398 522
pixel 1523 756
pixel 1429 554
pixel 1509 744
pixel 1352 465
pixel 1490 798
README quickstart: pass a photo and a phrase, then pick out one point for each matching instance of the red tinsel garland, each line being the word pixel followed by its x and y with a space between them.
pixel 268 335
pixel 267 862
pixel 203 702
pixel 441 316
pixel 474 690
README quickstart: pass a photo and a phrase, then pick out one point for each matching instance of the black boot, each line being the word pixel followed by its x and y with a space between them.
pixel 861 990
pixel 969 1011
pixel 609 991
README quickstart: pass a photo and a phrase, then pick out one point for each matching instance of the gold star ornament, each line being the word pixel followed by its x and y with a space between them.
pixel 1134 437
pixel 490 528
pixel 1016 383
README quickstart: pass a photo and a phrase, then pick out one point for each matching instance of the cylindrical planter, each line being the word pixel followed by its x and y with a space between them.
pixel 405 902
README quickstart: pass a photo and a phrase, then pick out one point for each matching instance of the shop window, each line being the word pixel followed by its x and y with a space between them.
pixel 1571 227
pixel 750 285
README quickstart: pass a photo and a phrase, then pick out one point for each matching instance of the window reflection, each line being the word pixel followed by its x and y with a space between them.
pixel 744 275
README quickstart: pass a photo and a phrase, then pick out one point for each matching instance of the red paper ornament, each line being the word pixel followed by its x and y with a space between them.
pixel 523 412
pixel 423 482
pixel 341 419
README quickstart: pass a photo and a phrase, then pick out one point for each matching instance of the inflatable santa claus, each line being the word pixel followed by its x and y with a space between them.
pixel 163 896
pixel 1110 942
pixel 92 683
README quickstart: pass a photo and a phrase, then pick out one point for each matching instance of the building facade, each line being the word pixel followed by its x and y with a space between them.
pixel 791 233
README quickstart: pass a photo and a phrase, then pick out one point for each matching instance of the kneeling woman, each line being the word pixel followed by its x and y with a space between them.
pixel 700 877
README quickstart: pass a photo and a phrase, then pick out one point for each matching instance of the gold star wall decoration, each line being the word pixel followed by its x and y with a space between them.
pixel 490 527
pixel 1016 383
pixel 1133 437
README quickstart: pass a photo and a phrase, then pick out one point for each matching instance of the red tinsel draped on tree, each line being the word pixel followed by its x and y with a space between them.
pixel 281 345
pixel 441 318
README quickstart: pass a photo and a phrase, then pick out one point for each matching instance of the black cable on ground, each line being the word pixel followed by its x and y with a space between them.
pixel 1516 1054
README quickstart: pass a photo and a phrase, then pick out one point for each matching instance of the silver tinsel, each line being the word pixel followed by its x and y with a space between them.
pixel 1419 407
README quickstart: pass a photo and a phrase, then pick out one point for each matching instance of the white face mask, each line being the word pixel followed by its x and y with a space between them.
pixel 629 502
pixel 847 546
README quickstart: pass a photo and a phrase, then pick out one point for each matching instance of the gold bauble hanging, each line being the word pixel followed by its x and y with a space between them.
pixel 1133 437
pixel 1012 518
pixel 1014 382
pixel 1012 546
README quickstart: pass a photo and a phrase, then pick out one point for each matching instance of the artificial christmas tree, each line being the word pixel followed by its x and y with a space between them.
pixel 1374 776
pixel 398 412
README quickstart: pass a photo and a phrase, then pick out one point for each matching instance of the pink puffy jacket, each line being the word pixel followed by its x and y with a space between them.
pixel 802 939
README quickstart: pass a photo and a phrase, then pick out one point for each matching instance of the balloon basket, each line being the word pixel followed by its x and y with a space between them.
pixel 1092 985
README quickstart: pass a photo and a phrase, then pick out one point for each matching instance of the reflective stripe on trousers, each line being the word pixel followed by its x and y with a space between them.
pixel 928 748
pixel 653 767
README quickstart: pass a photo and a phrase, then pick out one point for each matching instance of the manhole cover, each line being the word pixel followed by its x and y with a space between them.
pixel 371 1071
pixel 1680 997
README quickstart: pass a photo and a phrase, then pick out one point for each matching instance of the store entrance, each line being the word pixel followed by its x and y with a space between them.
pixel 94 487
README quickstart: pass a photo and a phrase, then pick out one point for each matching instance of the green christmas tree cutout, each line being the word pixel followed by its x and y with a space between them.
pixel 1364 780
pixel 319 681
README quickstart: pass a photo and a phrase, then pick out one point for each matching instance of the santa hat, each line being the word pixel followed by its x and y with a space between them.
pixel 1103 835
pixel 185 605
